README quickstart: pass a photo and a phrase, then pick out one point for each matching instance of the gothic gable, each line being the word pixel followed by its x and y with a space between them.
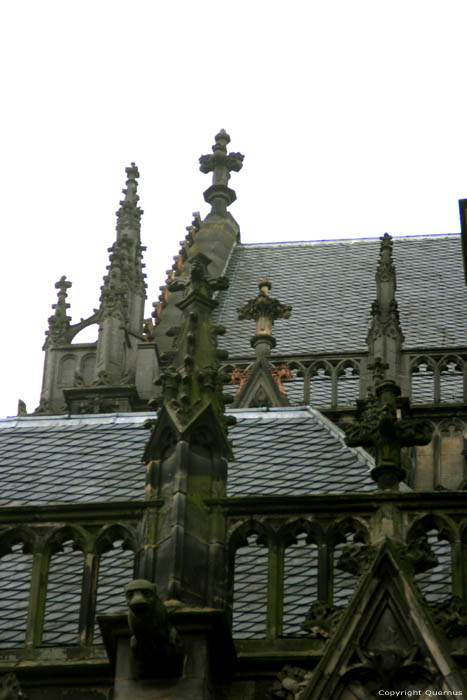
pixel 386 640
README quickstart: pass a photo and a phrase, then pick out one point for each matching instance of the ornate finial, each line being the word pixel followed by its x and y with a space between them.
pixel 125 276
pixel 385 335
pixel 220 163
pixel 385 267
pixel 379 426
pixel 129 214
pixel 264 310
pixel 59 323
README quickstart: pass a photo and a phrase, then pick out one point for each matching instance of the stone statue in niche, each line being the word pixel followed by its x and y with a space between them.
pixel 154 642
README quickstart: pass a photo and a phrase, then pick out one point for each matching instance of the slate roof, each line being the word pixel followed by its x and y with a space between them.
pixel 331 286
pixel 293 451
pixel 87 459
pixel 82 459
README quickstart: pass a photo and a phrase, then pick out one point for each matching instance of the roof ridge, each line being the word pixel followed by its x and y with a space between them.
pixel 363 239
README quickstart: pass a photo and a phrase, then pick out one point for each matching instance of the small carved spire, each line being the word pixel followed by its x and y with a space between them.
pixel 385 269
pixel 385 336
pixel 378 425
pixel 220 163
pixel 264 310
pixel 125 277
pixel 59 322
pixel 129 214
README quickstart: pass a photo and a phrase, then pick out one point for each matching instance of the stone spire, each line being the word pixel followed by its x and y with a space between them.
pixel 123 293
pixel 385 336
pixel 124 290
pixel 261 385
pixel 120 318
pixel 188 450
pixel 220 163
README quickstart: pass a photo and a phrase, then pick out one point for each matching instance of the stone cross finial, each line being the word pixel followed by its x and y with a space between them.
pixel 380 426
pixel 62 285
pixel 221 162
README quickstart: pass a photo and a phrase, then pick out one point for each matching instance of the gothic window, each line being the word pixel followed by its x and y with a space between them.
pixel 422 378
pixel 63 596
pixel 115 571
pixel 250 590
pixel 67 371
pixel 321 385
pixel 300 583
pixel 295 388
pixel 435 583
pixel 15 578
pixel 451 379
pixel 348 384
pixel 87 368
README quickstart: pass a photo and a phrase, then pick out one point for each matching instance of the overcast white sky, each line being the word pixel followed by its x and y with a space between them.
pixel 351 115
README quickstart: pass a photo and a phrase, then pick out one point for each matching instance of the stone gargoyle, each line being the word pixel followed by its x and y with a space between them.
pixel 155 643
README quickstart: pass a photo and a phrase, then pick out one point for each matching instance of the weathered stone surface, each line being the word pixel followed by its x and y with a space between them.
pixel 155 642
pixel 290 684
pixel 322 619
pixel 379 426
pixel 10 688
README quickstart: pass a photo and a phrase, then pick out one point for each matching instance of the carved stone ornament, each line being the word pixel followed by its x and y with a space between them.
pixel 451 616
pixel 10 688
pixel 385 268
pixel 239 376
pixel 322 620
pixel 418 554
pixel 378 425
pixel 125 272
pixel 385 321
pixel 191 382
pixel 264 309
pixel 378 370
pixel 220 163
pixel 290 683
pixel 59 323
pixel 155 643
pixel 356 558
